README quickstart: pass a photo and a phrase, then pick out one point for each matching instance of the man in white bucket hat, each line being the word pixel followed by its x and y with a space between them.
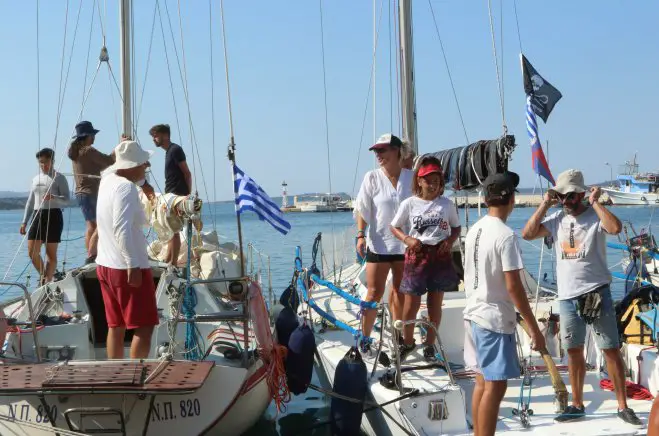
pixel 122 263
pixel 584 293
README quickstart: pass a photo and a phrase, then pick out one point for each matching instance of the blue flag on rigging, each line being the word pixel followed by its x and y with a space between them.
pixel 250 196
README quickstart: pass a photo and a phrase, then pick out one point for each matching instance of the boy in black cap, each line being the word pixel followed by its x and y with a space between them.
pixel 494 289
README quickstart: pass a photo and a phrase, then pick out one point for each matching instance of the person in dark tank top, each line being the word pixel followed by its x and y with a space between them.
pixel 178 179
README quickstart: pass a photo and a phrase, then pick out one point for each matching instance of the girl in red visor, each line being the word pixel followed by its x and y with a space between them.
pixel 428 225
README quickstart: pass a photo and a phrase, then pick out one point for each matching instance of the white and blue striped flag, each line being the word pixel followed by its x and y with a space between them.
pixel 250 196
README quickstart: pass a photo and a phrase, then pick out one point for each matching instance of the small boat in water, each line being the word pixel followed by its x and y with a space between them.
pixel 634 188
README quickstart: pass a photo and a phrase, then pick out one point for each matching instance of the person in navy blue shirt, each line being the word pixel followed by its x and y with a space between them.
pixel 178 179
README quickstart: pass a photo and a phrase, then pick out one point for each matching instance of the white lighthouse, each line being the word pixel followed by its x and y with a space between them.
pixel 284 198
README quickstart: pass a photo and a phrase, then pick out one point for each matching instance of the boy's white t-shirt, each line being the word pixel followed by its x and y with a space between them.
pixel 491 248
pixel 429 221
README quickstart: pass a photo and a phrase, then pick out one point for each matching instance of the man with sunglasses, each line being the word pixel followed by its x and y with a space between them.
pixel 579 231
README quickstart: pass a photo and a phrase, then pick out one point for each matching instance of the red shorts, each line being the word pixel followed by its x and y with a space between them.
pixel 126 306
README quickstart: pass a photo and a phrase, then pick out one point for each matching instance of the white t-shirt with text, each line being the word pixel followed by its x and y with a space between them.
pixel 580 252
pixel 429 221
pixel 491 248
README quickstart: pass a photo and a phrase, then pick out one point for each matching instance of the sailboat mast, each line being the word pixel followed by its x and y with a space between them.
pixel 125 9
pixel 407 73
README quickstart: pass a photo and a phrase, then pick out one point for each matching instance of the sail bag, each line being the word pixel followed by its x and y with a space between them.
pixel 467 167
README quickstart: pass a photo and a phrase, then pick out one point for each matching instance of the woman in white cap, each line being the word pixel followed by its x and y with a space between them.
pixel 378 200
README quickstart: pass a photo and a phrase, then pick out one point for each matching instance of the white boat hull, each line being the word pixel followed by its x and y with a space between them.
pixel 317 208
pixel 201 412
pixel 632 198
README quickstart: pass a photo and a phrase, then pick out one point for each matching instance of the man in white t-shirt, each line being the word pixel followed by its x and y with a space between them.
pixel 123 267
pixel 494 289
pixel 579 232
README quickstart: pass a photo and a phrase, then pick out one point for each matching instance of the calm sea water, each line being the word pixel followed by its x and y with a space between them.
pixel 310 409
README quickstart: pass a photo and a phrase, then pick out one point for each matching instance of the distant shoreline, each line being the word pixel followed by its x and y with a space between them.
pixel 18 203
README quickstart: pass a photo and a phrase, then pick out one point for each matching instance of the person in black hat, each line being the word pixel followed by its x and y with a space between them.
pixel 88 163
pixel 494 289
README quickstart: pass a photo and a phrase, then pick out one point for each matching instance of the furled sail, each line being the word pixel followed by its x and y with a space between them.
pixel 467 167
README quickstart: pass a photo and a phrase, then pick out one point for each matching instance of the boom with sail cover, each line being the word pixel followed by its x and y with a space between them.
pixel 467 167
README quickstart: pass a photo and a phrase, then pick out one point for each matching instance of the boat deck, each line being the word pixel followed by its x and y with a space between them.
pixel 160 377
pixel 433 383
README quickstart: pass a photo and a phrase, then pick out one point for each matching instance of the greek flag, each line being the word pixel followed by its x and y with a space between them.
pixel 540 165
pixel 250 196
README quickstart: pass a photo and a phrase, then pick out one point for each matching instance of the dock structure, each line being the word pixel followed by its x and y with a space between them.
pixel 521 200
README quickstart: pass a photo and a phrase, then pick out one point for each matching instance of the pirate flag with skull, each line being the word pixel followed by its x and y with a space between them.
pixel 543 95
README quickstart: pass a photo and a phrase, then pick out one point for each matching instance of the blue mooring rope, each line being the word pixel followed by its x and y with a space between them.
pixel 192 334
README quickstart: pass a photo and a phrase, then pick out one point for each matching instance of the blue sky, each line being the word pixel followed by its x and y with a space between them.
pixel 601 55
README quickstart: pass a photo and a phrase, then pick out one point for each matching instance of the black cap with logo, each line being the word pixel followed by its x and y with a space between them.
pixel 500 185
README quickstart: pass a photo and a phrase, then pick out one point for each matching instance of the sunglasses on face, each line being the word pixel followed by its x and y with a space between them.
pixel 570 196
pixel 381 150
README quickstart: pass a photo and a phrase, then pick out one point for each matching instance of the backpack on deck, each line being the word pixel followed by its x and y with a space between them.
pixel 631 328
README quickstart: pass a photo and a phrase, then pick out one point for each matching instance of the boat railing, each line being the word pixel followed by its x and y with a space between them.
pixel 30 308
pixel 257 274
pixel 308 299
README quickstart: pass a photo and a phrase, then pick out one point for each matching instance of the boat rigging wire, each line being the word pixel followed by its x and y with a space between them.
pixel 61 73
pixel 146 72
pixel 519 35
pixel 38 81
pixel 496 66
pixel 184 80
pixel 212 76
pixel 226 71
pixel 375 50
pixel 84 88
pixel 448 72
pixel 169 70
pixel 327 139
pixel 361 136
pixel 193 137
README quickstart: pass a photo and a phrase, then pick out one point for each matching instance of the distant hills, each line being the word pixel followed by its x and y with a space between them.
pixel 11 200
pixel 12 194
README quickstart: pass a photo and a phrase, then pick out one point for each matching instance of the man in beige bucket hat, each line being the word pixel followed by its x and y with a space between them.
pixel 579 231
pixel 122 264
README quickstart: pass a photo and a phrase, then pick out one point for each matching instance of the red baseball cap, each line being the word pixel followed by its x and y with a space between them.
pixel 430 168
